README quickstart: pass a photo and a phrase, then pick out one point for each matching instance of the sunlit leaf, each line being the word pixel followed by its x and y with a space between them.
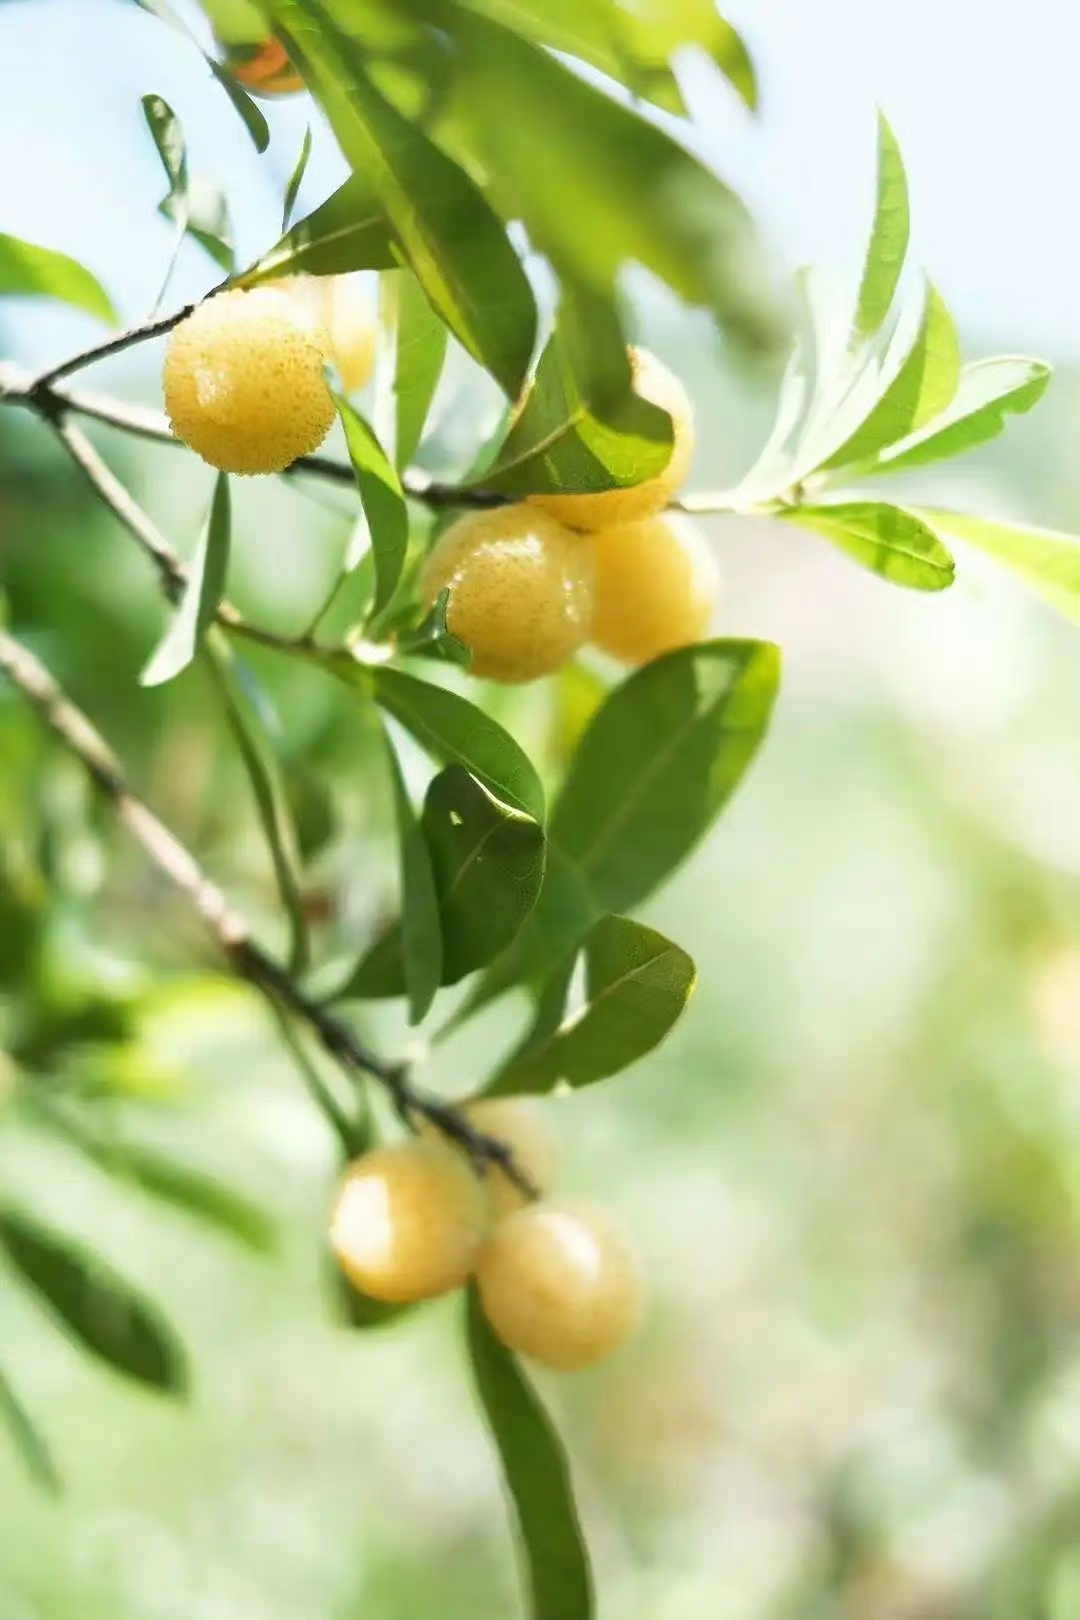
pixel 889 239
pixel 888 540
pixel 383 502
pixel 989 391
pixel 29 271
pixel 202 594
pixel 347 232
pixel 296 180
pixel 1045 560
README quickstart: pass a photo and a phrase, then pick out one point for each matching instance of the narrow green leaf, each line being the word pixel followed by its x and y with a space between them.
pixel 421 352
pixel 168 136
pixel 989 391
pixel 28 271
pixel 383 502
pixel 202 594
pixel 347 232
pixel 443 225
pixel 1045 560
pixel 488 863
pixel 889 239
pixel 253 120
pixel 360 1311
pixel 656 29
pixel 269 790
pixel 454 731
pixel 431 638
pixel 195 204
pixel 28 1438
pixel 421 929
pixel 920 390
pixel 582 428
pixel 599 187
pixel 659 761
pixel 100 1310
pixel 637 985
pixel 537 1479
pixel 888 540
pixel 190 1190
pixel 296 180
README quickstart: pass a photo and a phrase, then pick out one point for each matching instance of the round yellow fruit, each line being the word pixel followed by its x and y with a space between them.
pixel 244 383
pixel 560 1283
pixel 655 383
pixel 520 1122
pixel 656 584
pixel 408 1221
pixel 342 306
pixel 521 590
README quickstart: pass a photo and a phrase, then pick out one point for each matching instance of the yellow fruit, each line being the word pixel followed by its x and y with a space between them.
pixel 244 383
pixel 521 590
pixel 522 1124
pixel 656 583
pixel 343 308
pixel 560 1283
pixel 654 382
pixel 408 1221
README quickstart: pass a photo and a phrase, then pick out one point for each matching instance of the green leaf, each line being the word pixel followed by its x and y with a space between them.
pixel 656 29
pixel 889 540
pixel 268 787
pixel 454 731
pixel 195 205
pixel 599 187
pixel 191 1190
pixel 443 225
pixel 28 271
pixel 889 239
pixel 989 391
pixel 923 386
pixel 360 1310
pixel 296 180
pixel 253 120
pixel 383 502
pixel 28 1438
pixel 431 638
pixel 582 428
pixel 202 594
pixel 421 929
pixel 1045 560
pixel 347 232
pixel 537 1479
pixel 421 351
pixel 488 863
pixel 658 762
pixel 100 1310
pixel 637 985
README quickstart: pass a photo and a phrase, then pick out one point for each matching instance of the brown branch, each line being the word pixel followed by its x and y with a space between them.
pixel 155 326
pixel 230 932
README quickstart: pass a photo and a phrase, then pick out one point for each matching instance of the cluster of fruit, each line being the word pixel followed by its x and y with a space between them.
pixel 557 1279
pixel 530 582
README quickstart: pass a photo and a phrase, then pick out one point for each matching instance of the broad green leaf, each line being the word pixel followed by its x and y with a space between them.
pixel 537 1479
pixel 923 386
pixel 488 862
pixel 296 180
pixel 420 353
pixel 657 764
pixel 421 930
pixel 888 540
pixel 268 786
pixel 29 271
pixel 443 225
pixel 582 428
pixel 347 232
pixel 100 1310
pixel 637 985
pixel 1047 561
pixel 195 206
pixel 989 391
pixel 889 239
pixel 383 502
pixel 202 594
pixel 253 120
pixel 453 731
pixel 599 187
pixel 28 1438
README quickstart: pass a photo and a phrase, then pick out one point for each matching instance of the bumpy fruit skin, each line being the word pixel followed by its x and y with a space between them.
pixel 522 1124
pixel 408 1221
pixel 521 590
pixel 343 309
pixel 244 383
pixel 560 1283
pixel 654 382
pixel 656 584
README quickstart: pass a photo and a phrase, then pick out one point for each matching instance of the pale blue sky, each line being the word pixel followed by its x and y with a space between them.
pixel 981 93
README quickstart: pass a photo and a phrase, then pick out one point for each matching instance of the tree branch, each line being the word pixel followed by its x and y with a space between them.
pixel 154 326
pixel 245 957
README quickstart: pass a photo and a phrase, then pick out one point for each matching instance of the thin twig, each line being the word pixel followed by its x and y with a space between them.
pixel 155 326
pixel 227 927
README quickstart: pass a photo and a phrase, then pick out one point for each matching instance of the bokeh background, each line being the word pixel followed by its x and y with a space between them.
pixel 854 1169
